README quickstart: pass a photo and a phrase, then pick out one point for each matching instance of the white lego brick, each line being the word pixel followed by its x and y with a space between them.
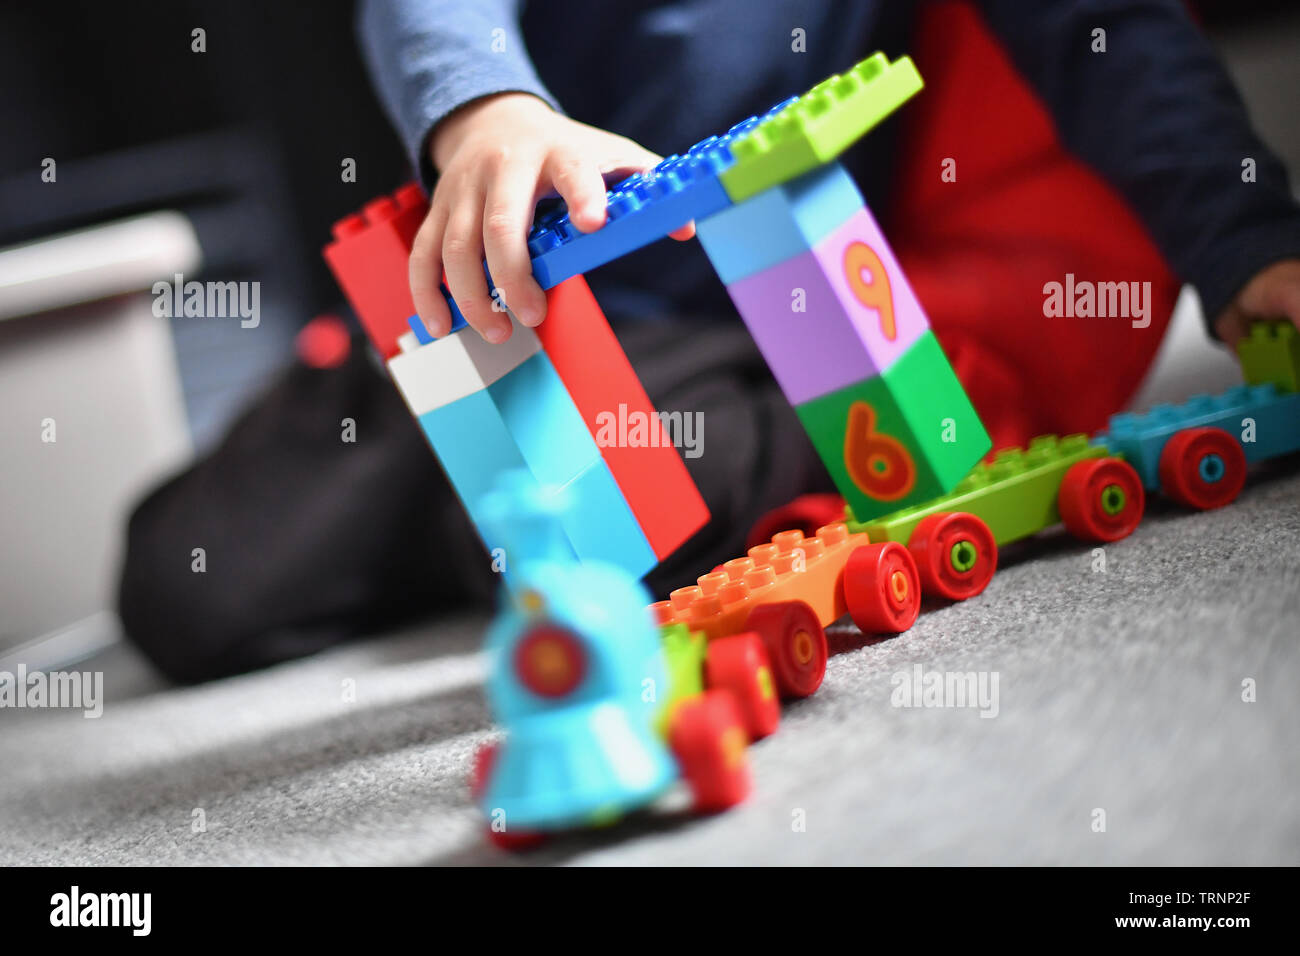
pixel 457 365
pixel 407 342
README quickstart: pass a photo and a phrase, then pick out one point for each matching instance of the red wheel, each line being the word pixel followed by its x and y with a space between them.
pixel 796 645
pixel 882 588
pixel 515 841
pixel 1101 499
pixel 807 513
pixel 955 555
pixel 739 664
pixel 708 739
pixel 484 759
pixel 1202 468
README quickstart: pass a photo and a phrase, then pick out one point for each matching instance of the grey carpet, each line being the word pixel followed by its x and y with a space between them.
pixel 1119 690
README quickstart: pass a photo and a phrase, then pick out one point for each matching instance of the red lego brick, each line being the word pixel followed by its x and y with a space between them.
pixel 368 257
pixel 591 363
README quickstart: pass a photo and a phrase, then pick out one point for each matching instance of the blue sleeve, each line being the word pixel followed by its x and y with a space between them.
pixel 1158 116
pixel 428 57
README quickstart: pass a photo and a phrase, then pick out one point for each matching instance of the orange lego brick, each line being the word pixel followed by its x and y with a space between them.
pixel 791 568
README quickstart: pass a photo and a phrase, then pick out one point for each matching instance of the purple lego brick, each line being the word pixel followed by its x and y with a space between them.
pixel 843 333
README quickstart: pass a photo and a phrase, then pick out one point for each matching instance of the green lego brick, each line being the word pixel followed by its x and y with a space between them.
pixel 1270 354
pixel 1015 494
pixel 818 126
pixel 918 404
pixel 684 654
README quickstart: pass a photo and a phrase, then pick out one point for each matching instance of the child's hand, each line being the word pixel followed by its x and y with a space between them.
pixel 1274 293
pixel 496 158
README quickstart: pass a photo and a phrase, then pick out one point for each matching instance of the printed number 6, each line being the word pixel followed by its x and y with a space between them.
pixel 877 463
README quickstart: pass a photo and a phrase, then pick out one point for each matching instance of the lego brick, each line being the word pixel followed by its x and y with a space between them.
pixel 900 438
pixel 1271 419
pixel 684 655
pixel 791 568
pixel 601 525
pixel 603 385
pixel 369 260
pixel 475 443
pixel 779 223
pixel 457 365
pixel 543 420
pixel 818 126
pixel 1270 354
pixel 475 446
pixel 422 334
pixel 859 314
pixel 1015 494
pixel 640 210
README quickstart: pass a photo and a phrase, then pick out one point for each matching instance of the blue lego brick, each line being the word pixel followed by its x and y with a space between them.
pixel 1140 438
pixel 640 210
pixel 779 223
pixel 601 525
pixel 457 320
pixel 543 421
pixel 421 333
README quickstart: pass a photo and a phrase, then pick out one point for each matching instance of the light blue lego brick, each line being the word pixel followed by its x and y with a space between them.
pixel 1277 427
pixel 640 210
pixel 1141 437
pixel 475 446
pixel 600 524
pixel 779 223
pixel 544 422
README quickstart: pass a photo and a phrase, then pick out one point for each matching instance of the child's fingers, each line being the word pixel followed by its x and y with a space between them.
pixel 579 182
pixel 506 217
pixel 686 232
pixel 462 257
pixel 425 273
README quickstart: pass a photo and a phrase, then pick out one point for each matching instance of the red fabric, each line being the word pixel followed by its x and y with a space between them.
pixel 1021 213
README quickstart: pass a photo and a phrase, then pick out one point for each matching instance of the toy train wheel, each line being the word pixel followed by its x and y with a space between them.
pixel 1101 499
pixel 738 663
pixel 882 588
pixel 796 645
pixel 708 738
pixel 955 555
pixel 515 841
pixel 484 760
pixel 1202 468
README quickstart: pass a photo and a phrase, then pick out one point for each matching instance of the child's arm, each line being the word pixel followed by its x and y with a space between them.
pixel 1157 114
pixel 458 82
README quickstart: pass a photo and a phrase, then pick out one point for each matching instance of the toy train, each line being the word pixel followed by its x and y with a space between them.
pixel 754 627
pixel 603 711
